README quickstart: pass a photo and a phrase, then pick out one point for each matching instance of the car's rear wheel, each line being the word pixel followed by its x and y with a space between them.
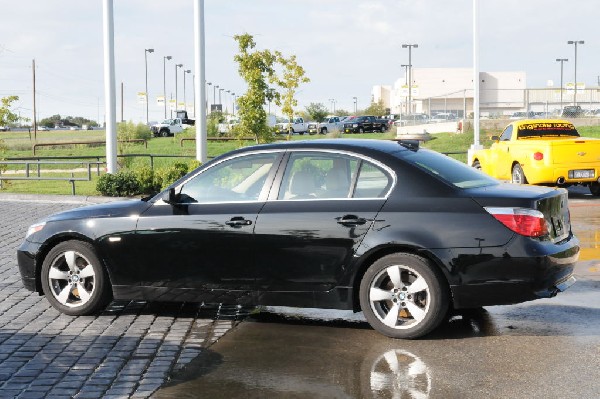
pixel 73 279
pixel 382 129
pixel 595 189
pixel 164 133
pixel 518 176
pixel 361 130
pixel 403 296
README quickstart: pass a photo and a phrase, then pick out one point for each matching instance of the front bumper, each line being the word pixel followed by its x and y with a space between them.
pixel 26 259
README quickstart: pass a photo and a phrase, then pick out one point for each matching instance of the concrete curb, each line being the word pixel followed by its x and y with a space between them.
pixel 64 199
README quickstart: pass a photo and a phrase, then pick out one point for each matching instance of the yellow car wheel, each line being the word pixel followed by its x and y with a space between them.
pixel 518 176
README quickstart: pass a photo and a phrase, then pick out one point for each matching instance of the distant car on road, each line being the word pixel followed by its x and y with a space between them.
pixel 43 129
pixel 572 111
pixel 404 234
pixel 4 128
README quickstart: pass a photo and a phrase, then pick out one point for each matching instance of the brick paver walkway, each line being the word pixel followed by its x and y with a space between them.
pixel 127 351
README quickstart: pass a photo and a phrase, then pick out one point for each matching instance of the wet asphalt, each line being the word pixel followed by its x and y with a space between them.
pixel 547 348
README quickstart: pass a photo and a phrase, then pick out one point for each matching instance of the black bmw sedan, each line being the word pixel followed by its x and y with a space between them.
pixel 403 234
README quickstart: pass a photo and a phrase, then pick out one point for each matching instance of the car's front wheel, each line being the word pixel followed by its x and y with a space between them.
pixel 403 296
pixel 477 165
pixel 73 279
pixel 518 176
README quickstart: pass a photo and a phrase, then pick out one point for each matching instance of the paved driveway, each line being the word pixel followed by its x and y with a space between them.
pixel 129 350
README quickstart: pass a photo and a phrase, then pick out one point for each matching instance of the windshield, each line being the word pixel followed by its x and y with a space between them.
pixel 167 121
pixel 450 170
pixel 547 129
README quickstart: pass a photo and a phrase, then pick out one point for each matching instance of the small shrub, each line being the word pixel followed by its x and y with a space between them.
pixel 121 184
pixel 147 180
pixel 167 176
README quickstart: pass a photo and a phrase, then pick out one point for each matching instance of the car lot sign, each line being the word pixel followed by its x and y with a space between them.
pixel 142 97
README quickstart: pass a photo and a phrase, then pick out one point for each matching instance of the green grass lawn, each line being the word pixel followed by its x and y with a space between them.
pixel 19 145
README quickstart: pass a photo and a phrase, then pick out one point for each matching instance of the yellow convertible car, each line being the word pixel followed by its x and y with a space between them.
pixel 544 152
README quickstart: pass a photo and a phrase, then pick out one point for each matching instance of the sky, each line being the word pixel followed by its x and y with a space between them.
pixel 345 46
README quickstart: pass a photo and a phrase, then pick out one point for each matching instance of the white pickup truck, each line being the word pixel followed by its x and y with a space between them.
pixel 330 124
pixel 296 126
pixel 168 127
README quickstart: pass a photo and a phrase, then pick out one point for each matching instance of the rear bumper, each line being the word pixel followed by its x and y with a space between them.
pixel 508 279
pixel 551 174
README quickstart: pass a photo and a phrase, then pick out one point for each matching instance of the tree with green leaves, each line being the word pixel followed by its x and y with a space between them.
pixel 6 115
pixel 257 68
pixel 377 109
pixel 317 112
pixel 292 76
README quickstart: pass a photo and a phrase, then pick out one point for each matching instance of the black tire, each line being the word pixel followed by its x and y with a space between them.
pixel 361 130
pixel 595 189
pixel 382 130
pixel 477 165
pixel 419 288
pixel 324 130
pixel 164 133
pixel 65 273
pixel 517 175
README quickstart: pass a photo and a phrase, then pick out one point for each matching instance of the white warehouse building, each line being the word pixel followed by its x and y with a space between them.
pixel 450 90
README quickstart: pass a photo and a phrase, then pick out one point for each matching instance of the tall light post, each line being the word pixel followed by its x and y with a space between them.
pixel 405 66
pixel 176 66
pixel 332 101
pixel 562 61
pixel 355 104
pixel 215 87
pixel 165 58
pixel 184 102
pixel 207 107
pixel 233 104
pixel 146 51
pixel 410 47
pixel 220 101
pixel 575 43
pixel 228 91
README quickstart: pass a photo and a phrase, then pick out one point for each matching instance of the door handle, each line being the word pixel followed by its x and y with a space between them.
pixel 351 220
pixel 238 221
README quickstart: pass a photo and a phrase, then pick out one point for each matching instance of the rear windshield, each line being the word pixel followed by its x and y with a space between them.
pixel 547 129
pixel 449 169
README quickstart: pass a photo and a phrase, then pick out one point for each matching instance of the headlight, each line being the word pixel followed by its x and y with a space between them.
pixel 355 125
pixel 34 228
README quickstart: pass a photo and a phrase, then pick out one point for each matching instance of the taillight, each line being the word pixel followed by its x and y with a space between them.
pixel 538 156
pixel 524 221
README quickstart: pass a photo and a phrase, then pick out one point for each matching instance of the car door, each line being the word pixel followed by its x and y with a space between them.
pixel 318 212
pixel 203 239
pixel 501 156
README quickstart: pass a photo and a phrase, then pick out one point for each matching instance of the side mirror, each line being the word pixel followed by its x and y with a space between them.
pixel 170 197
pixel 495 138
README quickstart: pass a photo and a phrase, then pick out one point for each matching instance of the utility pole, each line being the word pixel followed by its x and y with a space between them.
pixel 122 120
pixel 34 111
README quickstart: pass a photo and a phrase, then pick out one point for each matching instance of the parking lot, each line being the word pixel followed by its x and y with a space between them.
pixel 544 348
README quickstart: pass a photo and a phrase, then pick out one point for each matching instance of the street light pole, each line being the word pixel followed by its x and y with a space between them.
pixel 332 101
pixel 233 107
pixel 176 66
pixel 184 102
pixel 146 51
pixel 207 107
pixel 575 42
pixel 215 87
pixel 220 101
pixel 410 47
pixel 165 58
pixel 228 91
pixel 355 103
pixel 562 61
pixel 405 66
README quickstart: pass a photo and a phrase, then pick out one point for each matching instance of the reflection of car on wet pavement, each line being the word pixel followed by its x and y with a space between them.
pixel 545 152
pixel 401 233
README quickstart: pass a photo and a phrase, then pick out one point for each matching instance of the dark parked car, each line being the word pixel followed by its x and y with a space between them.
pixel 572 111
pixel 403 234
pixel 368 123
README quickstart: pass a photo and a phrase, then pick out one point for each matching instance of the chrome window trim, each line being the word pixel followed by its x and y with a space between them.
pixel 343 152
pixel 257 152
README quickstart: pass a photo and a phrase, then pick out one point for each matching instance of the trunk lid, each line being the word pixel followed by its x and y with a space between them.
pixel 577 150
pixel 551 202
